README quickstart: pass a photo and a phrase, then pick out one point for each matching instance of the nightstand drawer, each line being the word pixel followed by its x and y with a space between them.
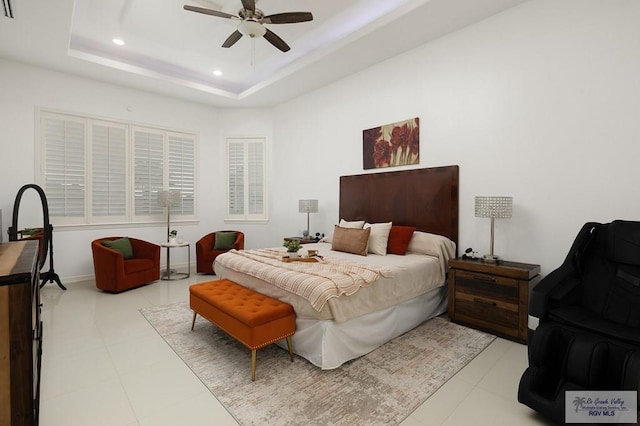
pixel 488 286
pixel 478 309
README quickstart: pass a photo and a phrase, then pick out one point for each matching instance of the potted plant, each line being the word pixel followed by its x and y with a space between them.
pixel 173 237
pixel 292 247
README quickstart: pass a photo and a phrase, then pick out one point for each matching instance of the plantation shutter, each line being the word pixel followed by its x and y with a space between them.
pixel 98 171
pixel 109 170
pixel 246 175
pixel 181 157
pixel 236 178
pixel 148 171
pixel 64 164
pixel 255 171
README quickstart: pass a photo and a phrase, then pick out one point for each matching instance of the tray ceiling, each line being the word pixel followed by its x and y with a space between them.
pixel 175 52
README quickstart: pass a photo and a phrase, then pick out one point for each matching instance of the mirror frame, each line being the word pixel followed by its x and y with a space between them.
pixel 13 230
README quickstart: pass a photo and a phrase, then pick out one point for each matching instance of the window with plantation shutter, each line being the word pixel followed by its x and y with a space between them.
pixel 148 171
pixel 236 178
pixel 106 172
pixel 246 179
pixel 64 165
pixel 181 155
pixel 255 177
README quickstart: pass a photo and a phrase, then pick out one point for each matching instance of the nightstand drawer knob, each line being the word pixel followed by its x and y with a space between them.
pixel 485 302
pixel 484 278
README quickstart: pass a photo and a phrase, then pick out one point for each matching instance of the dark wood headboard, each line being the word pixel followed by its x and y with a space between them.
pixel 424 198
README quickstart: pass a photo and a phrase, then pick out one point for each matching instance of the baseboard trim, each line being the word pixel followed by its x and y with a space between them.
pixel 91 277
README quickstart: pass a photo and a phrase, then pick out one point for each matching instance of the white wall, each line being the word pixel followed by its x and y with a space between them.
pixel 540 103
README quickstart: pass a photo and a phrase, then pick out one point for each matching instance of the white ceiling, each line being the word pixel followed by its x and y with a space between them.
pixel 172 51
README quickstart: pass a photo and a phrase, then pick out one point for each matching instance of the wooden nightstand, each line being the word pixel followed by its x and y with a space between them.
pixel 492 297
pixel 302 240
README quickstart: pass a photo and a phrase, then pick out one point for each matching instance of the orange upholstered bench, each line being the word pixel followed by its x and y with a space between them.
pixel 255 320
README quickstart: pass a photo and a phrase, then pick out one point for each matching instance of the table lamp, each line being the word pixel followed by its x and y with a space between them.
pixel 307 206
pixel 493 207
pixel 169 199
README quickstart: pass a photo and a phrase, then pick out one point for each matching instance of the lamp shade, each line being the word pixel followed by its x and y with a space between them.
pixel 168 198
pixel 251 28
pixel 494 207
pixel 308 206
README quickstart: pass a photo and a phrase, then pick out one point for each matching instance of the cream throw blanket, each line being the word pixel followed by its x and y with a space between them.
pixel 316 282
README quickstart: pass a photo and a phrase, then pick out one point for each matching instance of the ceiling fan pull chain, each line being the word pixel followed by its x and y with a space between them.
pixel 253 53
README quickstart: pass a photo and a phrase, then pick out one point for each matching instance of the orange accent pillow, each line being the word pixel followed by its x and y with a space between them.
pixel 350 240
pixel 399 238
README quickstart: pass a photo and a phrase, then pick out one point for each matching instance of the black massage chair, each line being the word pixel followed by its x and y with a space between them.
pixel 584 320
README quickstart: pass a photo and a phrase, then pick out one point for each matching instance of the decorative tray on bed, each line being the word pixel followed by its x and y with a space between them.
pixel 301 259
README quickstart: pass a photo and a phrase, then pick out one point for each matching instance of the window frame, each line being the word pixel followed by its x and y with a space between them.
pixel 245 216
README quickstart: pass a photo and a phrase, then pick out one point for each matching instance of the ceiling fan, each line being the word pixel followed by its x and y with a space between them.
pixel 252 22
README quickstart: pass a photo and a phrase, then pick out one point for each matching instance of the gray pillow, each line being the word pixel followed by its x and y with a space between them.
pixel 121 245
pixel 224 240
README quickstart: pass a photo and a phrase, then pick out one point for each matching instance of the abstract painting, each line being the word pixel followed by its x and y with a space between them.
pixel 396 144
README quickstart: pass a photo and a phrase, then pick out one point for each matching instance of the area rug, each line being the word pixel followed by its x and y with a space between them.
pixel 380 388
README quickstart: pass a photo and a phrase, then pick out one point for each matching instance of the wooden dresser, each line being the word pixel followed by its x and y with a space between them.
pixel 492 297
pixel 20 333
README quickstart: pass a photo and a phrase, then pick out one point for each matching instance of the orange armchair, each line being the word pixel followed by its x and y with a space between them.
pixel 114 273
pixel 206 254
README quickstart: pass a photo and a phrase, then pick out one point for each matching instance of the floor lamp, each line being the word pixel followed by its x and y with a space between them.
pixel 493 208
pixel 169 199
pixel 307 206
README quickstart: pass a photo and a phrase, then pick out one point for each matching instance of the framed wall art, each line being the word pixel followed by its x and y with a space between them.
pixel 396 144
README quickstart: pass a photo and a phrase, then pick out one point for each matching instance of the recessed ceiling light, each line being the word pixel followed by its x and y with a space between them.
pixel 217 73
pixel 118 41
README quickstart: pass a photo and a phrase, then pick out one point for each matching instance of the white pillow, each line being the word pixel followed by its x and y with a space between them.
pixel 432 245
pixel 358 224
pixel 379 237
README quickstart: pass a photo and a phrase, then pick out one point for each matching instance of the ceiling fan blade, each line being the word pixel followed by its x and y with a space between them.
pixel 232 39
pixel 249 5
pixel 287 18
pixel 209 12
pixel 276 41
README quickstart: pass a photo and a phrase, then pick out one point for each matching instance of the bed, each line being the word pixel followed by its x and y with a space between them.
pixel 395 293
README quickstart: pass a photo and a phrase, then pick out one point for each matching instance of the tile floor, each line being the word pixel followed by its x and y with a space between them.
pixel 103 364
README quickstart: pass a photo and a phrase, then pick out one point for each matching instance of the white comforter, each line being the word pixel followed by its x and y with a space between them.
pixel 328 277
pixel 396 279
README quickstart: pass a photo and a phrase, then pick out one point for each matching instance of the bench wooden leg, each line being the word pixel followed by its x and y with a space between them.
pixel 253 365
pixel 193 323
pixel 290 348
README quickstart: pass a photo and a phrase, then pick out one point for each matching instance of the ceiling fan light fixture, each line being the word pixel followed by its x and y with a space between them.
pixel 251 28
pixel 251 23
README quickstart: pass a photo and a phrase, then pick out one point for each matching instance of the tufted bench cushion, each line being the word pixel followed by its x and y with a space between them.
pixel 253 319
